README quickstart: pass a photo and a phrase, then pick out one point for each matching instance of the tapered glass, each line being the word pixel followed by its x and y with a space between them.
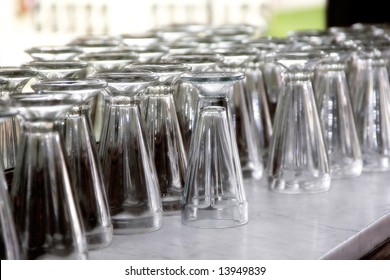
pixel 18 78
pixel 214 195
pixel 337 120
pixel 45 211
pixel 163 131
pixel 9 242
pixel 298 159
pixel 243 96
pixel 372 110
pixel 130 174
pixel 82 156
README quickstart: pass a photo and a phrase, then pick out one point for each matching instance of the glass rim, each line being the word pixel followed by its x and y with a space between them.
pixel 69 84
pixel 56 64
pixel 9 71
pixel 194 58
pixel 127 77
pixel 54 49
pixel 212 76
pixel 159 67
pixel 108 55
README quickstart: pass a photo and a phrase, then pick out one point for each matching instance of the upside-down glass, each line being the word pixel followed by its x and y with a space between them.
pixel 163 131
pixel 372 110
pixel 298 160
pixel 336 115
pixel 243 111
pixel 130 174
pixel 82 156
pixel 9 248
pixel 46 215
pixel 18 77
pixel 214 195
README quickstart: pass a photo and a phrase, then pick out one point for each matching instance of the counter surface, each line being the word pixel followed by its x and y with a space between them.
pixel 280 226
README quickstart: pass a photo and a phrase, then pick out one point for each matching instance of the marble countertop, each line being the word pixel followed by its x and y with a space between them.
pixel 344 223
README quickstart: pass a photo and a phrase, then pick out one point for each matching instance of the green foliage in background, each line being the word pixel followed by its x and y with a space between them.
pixel 302 19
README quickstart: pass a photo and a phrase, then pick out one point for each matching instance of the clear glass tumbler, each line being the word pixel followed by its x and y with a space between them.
pixel 82 156
pixel 18 77
pixel 298 159
pixel 45 210
pixel 130 174
pixel 163 131
pixel 336 115
pixel 9 242
pixel 372 110
pixel 214 194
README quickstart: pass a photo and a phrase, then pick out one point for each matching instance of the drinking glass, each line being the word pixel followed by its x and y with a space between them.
pixel 372 110
pixel 17 77
pixel 50 53
pixel 243 112
pixel 298 159
pixel 82 157
pixel 130 174
pixel 45 212
pixel 10 248
pixel 213 194
pixel 336 115
pixel 163 131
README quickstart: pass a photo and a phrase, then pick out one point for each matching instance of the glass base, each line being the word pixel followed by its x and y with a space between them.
pixel 252 174
pixel 300 186
pixel 171 205
pixel 345 171
pixel 217 216
pixel 380 164
pixel 130 224
pixel 100 238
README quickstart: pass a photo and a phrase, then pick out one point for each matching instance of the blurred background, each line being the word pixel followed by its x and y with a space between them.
pixel 27 23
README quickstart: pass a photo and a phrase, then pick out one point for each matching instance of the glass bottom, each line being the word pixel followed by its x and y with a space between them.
pixel 251 173
pixel 125 223
pixel 354 169
pixel 379 164
pixel 100 238
pixel 217 216
pixel 300 186
pixel 171 205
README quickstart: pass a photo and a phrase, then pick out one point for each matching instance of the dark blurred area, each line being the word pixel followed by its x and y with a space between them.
pixel 348 12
